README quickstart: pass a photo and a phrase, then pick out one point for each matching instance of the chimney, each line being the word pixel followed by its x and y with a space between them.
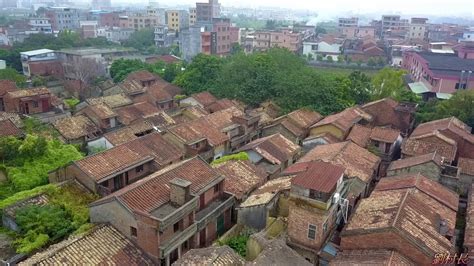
pixel 179 191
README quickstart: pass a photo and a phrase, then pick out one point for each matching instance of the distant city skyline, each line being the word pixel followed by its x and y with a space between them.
pixel 403 7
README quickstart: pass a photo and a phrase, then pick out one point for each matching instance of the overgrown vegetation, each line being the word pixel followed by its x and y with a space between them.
pixel 122 67
pixel 283 77
pixel 238 243
pixel 72 102
pixel 241 156
pixel 27 162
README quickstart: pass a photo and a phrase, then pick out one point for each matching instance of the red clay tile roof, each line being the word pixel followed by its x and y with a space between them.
pixel 296 168
pixel 156 146
pixel 360 135
pixel 241 177
pixel 402 212
pixel 220 105
pixel 383 134
pixel 72 128
pixel 293 128
pixel 415 160
pixel 205 98
pixel 120 136
pixel 345 119
pixel 104 245
pixel 466 165
pixel 223 118
pixel 158 93
pixel 370 257
pixel 304 118
pixel 275 148
pixel 131 87
pixel 101 110
pixel 437 142
pixel 169 58
pixel 110 162
pixel 357 161
pixel 14 117
pixel 387 112
pixel 7 86
pixel 137 111
pixel 153 191
pixel 216 255
pixel 113 101
pixel 141 75
pixel 452 124
pixel 432 188
pixel 8 128
pixel 28 92
pixel 199 129
pixel 319 176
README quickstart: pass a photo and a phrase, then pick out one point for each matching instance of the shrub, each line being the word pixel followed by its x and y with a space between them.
pixel 72 102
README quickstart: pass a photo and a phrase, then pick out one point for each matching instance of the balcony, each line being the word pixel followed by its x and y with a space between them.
pixel 213 210
pixel 168 214
pixel 179 238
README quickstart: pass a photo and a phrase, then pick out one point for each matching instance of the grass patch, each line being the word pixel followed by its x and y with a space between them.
pixel 241 156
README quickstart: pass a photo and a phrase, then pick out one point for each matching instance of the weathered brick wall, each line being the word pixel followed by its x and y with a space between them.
pixel 430 170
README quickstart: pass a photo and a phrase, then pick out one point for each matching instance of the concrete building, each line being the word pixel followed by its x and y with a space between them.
pixel 164 37
pixel 440 75
pixel 139 21
pixel 192 16
pixel 325 48
pixel 116 34
pixel 205 12
pixel 88 29
pixel 42 62
pixel 264 40
pixel 352 22
pixel 40 25
pixel 418 29
pixel 172 211
pixel 64 18
pixel 177 19
pixel 393 23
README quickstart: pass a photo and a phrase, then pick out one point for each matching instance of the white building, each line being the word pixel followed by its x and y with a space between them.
pixel 40 25
pixel 322 48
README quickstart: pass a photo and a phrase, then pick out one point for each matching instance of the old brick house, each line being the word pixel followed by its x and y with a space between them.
pixel 122 165
pixel 28 101
pixel 171 211
pixel 360 164
pixel 77 129
pixel 294 126
pixel 313 212
pixel 340 124
pixel 415 220
pixel 272 154
pixel 389 113
pixel 450 137
pixel 102 115
pixel 5 86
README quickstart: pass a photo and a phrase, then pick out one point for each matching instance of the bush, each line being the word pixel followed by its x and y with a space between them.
pixel 241 156
pixel 40 225
pixel 72 102
pixel 48 189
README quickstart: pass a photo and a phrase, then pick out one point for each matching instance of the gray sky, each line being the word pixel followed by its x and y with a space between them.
pixel 429 7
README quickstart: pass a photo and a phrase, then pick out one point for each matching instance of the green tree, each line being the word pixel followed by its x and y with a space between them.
pixel 371 62
pixel 320 30
pixel 340 59
pixel 319 57
pixel 271 24
pixel 141 40
pixel 11 74
pixel 329 59
pixel 122 67
pixel 236 48
pixel 380 61
pixel 360 87
pixel 199 74
pixel 171 71
pixel 389 83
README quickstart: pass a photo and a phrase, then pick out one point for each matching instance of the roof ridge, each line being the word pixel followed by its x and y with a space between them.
pixel 400 208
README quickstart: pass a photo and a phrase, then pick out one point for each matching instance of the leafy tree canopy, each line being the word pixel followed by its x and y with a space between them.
pixel 13 75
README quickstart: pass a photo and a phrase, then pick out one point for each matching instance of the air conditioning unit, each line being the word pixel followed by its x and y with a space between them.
pixel 336 198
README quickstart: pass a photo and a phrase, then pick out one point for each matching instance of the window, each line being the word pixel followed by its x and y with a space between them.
pixel 176 227
pixel 312 231
pixel 216 188
pixel 133 231
pixel 35 104
pixel 139 169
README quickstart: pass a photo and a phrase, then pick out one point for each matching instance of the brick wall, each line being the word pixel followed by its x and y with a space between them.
pixel 46 68
pixel 430 170
pixel 465 148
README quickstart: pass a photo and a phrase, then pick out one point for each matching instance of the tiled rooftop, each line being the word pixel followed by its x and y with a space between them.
pixel 7 86
pixel 129 114
pixel 113 101
pixel 319 176
pixel 141 75
pixel 469 231
pixel 72 128
pixel 346 119
pixel 205 98
pixel 304 118
pixel 218 255
pixel 267 192
pixel 357 161
pixel 415 160
pixel 242 177
pixel 275 148
pixel 8 128
pixel 437 142
pixel 102 111
pixel 28 92
pixel 466 165
pixel 372 257
pixel 153 191
pixel 105 245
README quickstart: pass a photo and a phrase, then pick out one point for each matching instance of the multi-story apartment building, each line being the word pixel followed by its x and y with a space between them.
pixel 177 19
pixel 205 12
pixel 171 211
pixel 283 38
pixel 192 16
pixel 221 27
pixel 64 18
pixel 352 22
pixel 149 19
pixel 418 29
pixel 116 35
pixel 107 19
pixel 40 25
pixel 164 37
pixel 392 23
pixel 89 28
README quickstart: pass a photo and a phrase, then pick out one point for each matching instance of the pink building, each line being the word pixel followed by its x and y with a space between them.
pixel 440 75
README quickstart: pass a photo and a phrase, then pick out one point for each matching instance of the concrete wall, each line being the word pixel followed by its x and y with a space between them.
pixel 115 214
pixel 254 157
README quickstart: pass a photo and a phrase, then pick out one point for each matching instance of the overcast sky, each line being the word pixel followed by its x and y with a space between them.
pixel 429 7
